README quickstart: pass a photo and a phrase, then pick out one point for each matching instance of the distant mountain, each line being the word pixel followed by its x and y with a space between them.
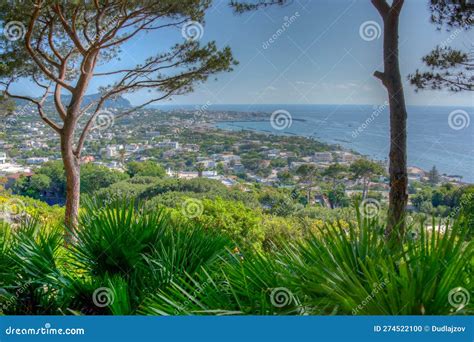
pixel 117 103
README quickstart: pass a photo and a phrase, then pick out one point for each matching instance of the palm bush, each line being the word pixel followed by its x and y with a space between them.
pixel 340 270
pixel 6 245
pixel 257 285
pixel 30 278
pixel 352 271
pixel 127 260
pixel 133 252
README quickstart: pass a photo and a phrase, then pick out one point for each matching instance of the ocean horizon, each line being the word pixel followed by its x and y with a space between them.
pixel 437 136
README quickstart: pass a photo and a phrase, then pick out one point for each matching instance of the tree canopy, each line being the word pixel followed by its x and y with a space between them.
pixel 448 68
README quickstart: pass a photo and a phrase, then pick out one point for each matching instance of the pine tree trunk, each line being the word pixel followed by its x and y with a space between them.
pixel 71 158
pixel 392 80
pixel 73 185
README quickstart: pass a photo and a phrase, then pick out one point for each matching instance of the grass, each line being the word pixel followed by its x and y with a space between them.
pixel 127 260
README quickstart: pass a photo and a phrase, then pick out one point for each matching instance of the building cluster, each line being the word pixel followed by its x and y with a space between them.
pixel 147 136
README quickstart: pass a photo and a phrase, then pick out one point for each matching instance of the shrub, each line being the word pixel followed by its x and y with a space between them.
pixel 242 224
pixel 353 271
pixel 256 285
pixel 121 242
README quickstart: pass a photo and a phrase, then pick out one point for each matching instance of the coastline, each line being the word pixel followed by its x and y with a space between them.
pixel 235 123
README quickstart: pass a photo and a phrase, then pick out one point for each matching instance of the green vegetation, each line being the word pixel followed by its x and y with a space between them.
pixel 49 182
pixel 127 259
pixel 151 244
pixel 439 201
pixel 364 170
pixel 147 168
pixel 275 231
pixel 255 216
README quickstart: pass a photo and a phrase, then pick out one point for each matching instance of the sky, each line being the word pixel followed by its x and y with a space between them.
pixel 323 55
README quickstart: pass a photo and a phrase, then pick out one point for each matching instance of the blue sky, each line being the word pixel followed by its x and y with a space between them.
pixel 320 58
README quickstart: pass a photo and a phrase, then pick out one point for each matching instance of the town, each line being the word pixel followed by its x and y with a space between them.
pixel 187 144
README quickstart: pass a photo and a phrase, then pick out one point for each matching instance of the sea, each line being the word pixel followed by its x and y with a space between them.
pixel 437 136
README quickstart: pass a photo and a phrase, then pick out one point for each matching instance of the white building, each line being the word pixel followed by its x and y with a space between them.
pixel 36 161
pixel 227 158
pixel 112 151
pixel 296 165
pixel 191 147
pixel 8 168
pixel 345 157
pixel 415 173
pixel 152 134
pixel 208 163
pixel 132 148
pixel 322 157
pixel 168 144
